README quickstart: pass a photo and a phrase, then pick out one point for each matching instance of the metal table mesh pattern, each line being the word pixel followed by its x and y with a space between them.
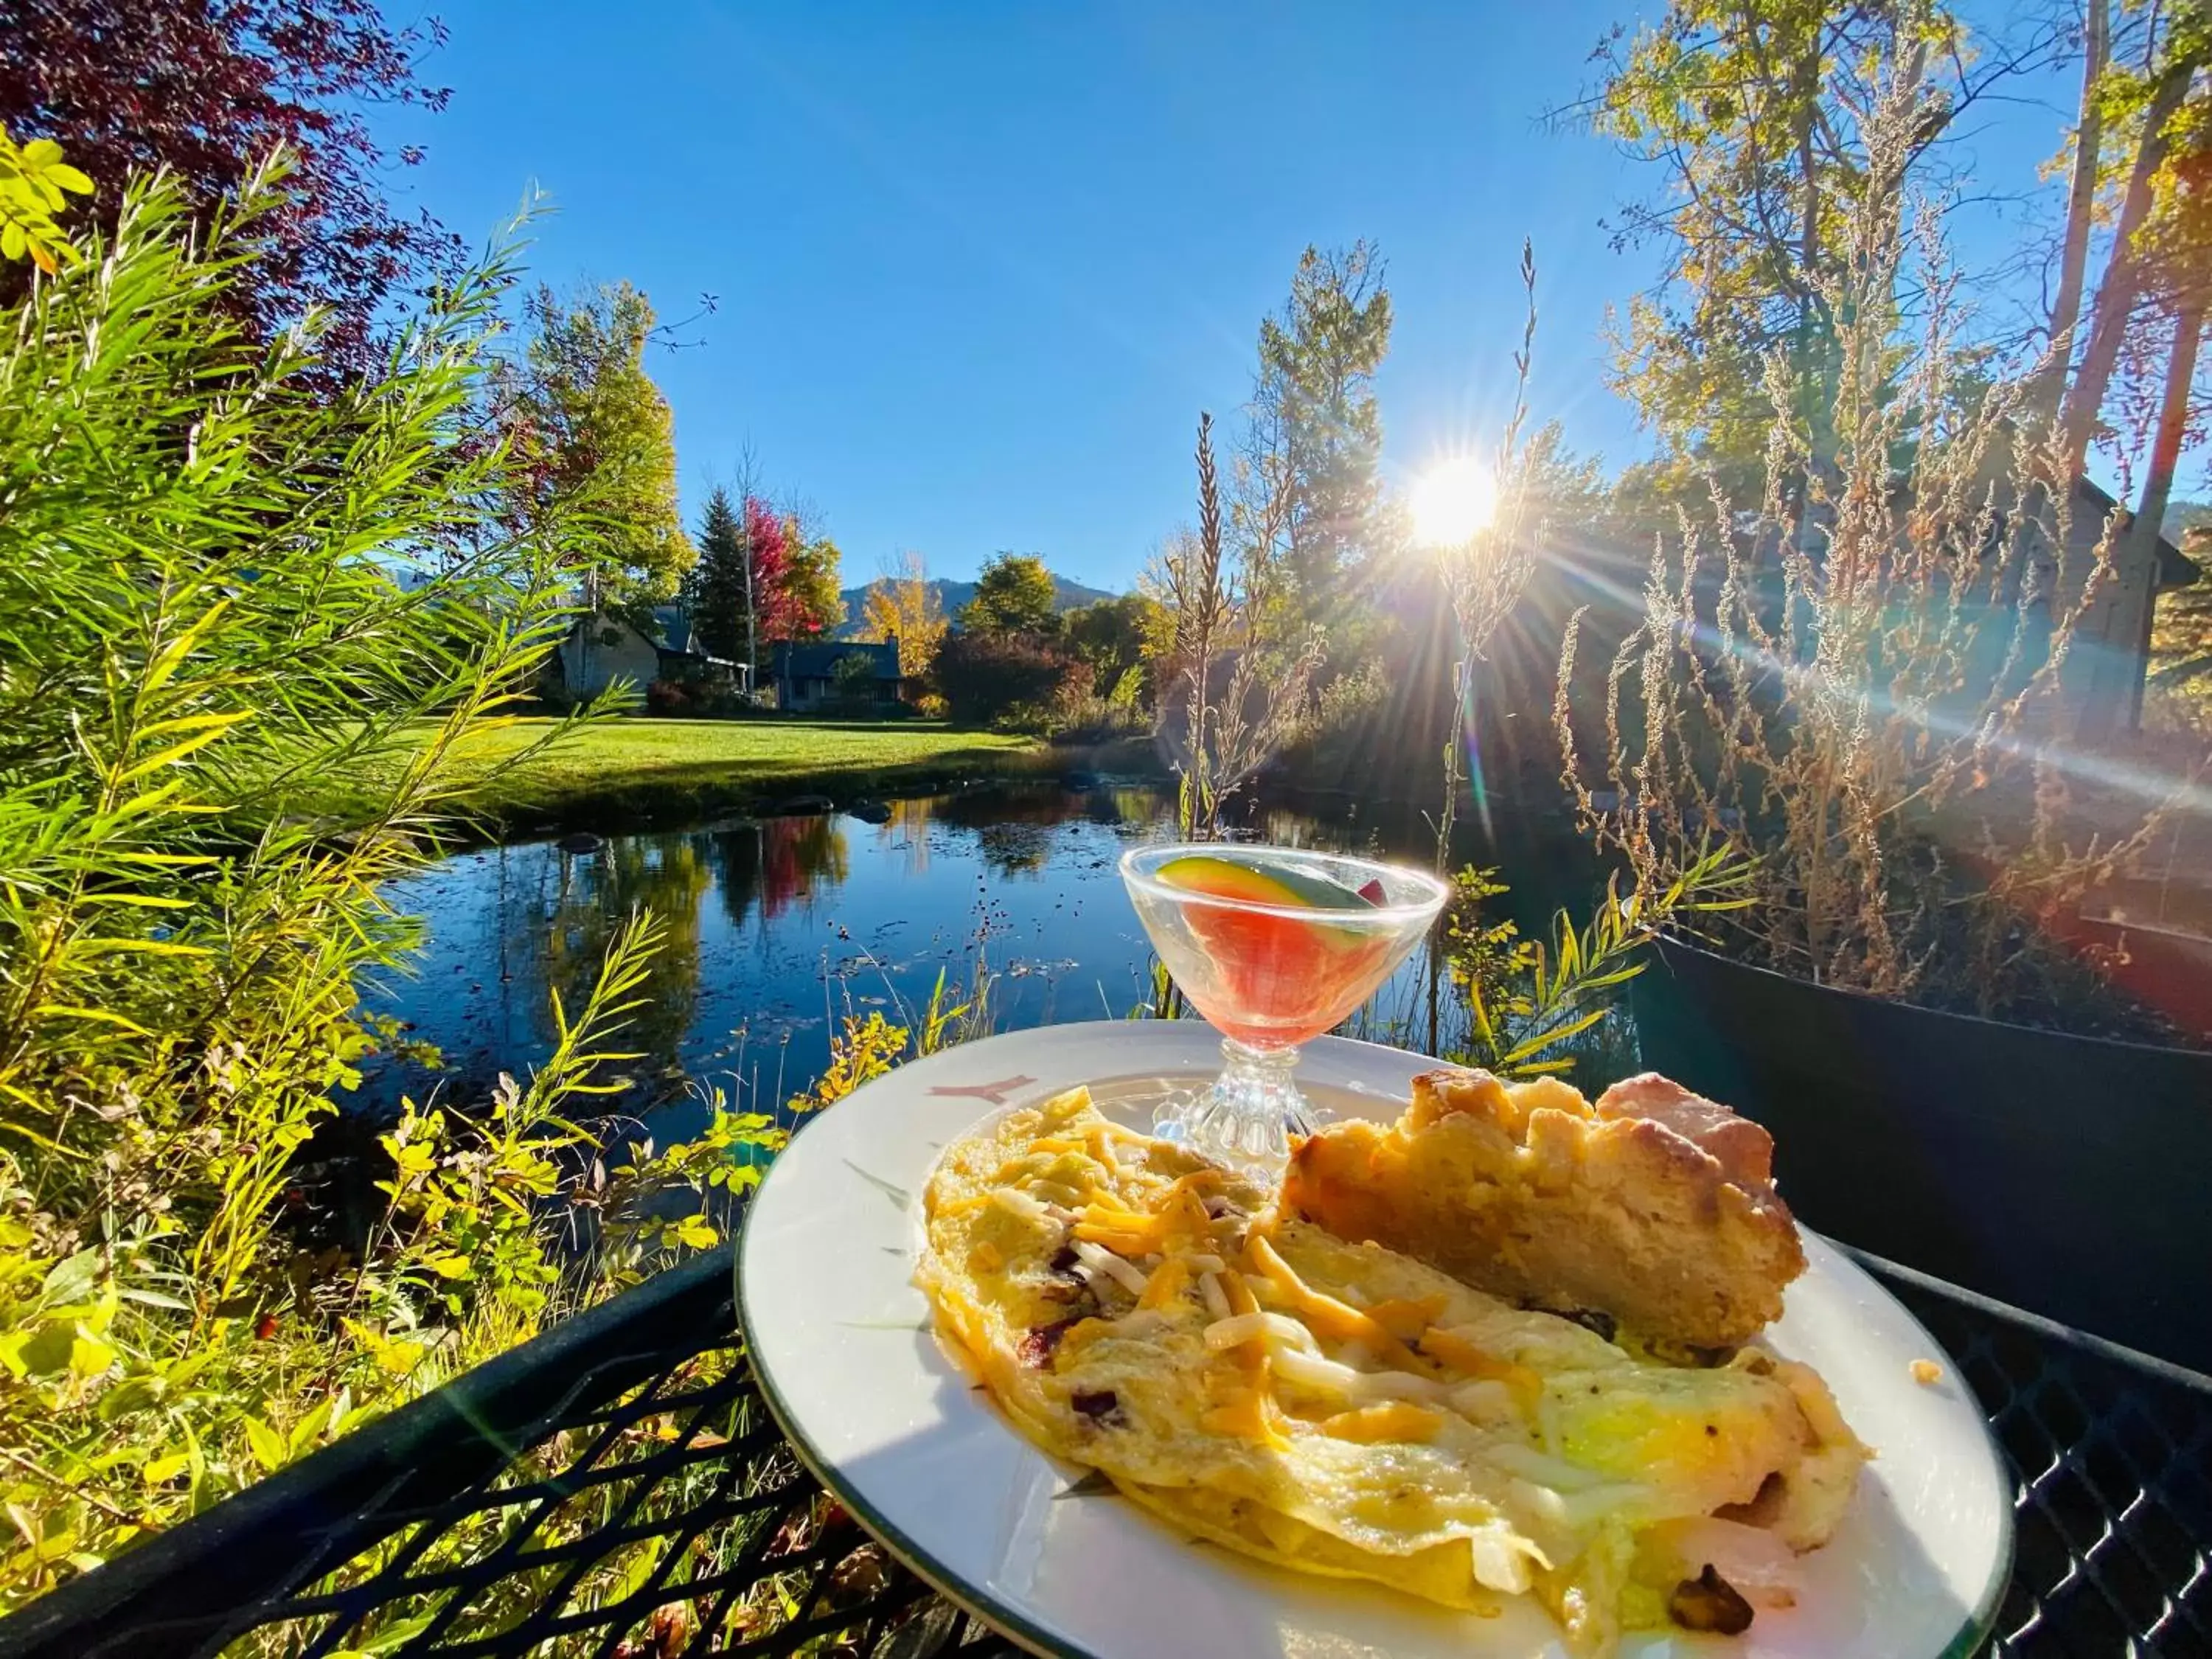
pixel 618 1489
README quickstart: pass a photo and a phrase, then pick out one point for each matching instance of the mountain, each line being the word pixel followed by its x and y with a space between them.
pixel 954 596
pixel 2184 516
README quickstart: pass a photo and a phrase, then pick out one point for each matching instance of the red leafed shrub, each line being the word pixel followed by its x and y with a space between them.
pixel 1017 681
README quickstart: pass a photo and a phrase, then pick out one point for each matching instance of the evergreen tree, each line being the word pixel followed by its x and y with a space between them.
pixel 717 589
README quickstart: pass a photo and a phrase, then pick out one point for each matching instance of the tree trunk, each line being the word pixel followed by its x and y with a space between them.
pixel 1808 255
pixel 2142 537
pixel 2081 206
pixel 2116 294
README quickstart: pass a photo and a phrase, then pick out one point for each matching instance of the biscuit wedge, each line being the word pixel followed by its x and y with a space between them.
pixel 1653 1206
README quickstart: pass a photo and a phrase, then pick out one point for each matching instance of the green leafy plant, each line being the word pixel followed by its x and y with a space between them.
pixel 225 727
pixel 1527 998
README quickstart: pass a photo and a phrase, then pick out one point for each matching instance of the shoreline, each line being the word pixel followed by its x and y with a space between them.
pixel 611 797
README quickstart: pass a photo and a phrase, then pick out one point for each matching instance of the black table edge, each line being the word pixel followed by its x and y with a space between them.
pixel 223 1560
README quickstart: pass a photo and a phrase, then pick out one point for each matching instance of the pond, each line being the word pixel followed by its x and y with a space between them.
pixel 780 927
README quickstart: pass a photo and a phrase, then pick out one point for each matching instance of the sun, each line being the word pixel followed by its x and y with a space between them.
pixel 1453 500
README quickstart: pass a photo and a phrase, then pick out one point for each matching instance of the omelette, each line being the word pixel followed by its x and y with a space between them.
pixel 1341 1409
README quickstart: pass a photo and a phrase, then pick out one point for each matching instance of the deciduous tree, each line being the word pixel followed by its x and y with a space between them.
pixel 1112 636
pixel 1753 113
pixel 810 576
pixel 776 615
pixel 903 603
pixel 1013 595
pixel 209 90
pixel 583 418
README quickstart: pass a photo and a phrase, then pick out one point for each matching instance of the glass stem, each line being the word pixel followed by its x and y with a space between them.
pixel 1247 1117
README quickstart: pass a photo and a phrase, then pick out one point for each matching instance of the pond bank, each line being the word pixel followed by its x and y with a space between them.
pixel 633 773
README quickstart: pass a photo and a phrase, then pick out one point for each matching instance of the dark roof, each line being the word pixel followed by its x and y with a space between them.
pixel 668 630
pixel 672 630
pixel 2175 567
pixel 819 661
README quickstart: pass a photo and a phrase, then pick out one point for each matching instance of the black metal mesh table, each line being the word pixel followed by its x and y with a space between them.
pixel 616 1489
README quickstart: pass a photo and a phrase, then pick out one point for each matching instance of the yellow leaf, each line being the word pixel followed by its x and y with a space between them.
pixel 400 1357
pixel 173 753
pixel 268 1445
pixel 90 1356
pixel 195 722
pixel 105 1016
pixel 160 1471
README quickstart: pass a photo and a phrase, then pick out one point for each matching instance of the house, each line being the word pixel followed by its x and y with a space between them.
pixel 602 649
pixel 2109 660
pixel 814 676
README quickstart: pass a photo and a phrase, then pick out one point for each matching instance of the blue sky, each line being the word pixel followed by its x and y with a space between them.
pixel 979 266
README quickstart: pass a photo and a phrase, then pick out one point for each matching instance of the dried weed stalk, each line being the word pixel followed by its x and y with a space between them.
pixel 1863 678
pixel 1485 576
pixel 1244 671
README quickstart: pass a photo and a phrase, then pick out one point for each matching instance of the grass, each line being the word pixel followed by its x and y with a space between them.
pixel 645 770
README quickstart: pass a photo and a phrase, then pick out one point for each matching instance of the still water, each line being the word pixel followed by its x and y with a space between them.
pixel 780 928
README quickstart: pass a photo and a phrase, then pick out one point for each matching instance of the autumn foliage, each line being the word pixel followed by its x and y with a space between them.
pixel 208 90
pixel 777 611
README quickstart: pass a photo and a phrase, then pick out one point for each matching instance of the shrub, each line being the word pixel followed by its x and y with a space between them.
pixel 224 729
pixel 854 684
pixel 1018 682
pixel 670 697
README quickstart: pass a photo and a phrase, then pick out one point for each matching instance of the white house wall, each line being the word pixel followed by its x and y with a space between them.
pixel 589 665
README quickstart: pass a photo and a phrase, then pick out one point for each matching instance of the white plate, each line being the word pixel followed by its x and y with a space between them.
pixel 840 1341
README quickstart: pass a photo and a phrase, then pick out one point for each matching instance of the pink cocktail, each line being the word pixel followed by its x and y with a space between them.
pixel 1274 945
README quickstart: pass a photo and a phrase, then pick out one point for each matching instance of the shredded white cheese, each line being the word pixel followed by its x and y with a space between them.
pixel 1501 1558
pixel 1216 1298
pixel 1583 1508
pixel 1235 1332
pixel 1014 1200
pixel 1310 1370
pixel 1488 1402
pixel 1545 1470
pixel 1126 1274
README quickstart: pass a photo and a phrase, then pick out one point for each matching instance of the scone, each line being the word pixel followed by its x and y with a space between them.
pixel 1654 1207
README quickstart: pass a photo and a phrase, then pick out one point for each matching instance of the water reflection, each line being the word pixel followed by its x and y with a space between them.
pixel 779 928
pixel 774 863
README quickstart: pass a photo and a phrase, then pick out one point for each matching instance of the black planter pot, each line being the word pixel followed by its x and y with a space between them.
pixel 2066 1175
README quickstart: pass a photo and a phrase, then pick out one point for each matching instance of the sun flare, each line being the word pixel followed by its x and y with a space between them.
pixel 1453 501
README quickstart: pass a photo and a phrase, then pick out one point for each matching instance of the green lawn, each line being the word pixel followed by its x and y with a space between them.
pixel 665 767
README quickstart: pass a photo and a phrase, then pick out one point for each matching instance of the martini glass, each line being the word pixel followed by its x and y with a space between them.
pixel 1274 945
